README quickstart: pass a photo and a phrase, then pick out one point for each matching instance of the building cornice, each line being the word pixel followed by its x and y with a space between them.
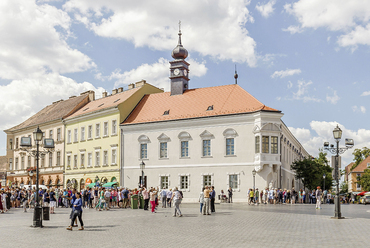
pixel 89 171
pixel 91 115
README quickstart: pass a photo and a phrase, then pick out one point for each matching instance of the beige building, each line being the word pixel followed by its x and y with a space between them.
pixel 49 120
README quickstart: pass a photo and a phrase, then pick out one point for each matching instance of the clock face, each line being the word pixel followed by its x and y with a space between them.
pixel 176 72
pixel 185 72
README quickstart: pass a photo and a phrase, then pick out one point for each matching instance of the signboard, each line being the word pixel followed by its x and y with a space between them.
pixel 48 143
pixel 88 181
pixel 26 141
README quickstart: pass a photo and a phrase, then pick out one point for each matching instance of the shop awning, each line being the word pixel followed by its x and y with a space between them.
pixel 91 185
pixel 362 193
pixel 109 184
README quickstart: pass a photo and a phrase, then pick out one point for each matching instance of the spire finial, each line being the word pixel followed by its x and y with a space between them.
pixel 179 34
pixel 236 76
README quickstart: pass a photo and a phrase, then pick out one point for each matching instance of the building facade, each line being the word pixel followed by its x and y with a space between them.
pixel 352 175
pixel 51 166
pixel 92 136
pixel 191 138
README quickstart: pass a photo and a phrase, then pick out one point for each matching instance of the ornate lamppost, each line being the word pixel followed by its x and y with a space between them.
pixel 337 133
pixel 142 167
pixel 26 145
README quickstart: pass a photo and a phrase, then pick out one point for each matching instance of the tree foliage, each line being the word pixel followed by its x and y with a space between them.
pixel 311 172
pixel 344 188
pixel 359 156
pixel 364 180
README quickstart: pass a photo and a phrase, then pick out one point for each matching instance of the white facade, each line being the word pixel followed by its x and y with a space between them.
pixel 221 151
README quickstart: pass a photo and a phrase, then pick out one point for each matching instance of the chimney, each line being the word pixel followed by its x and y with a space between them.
pixel 120 89
pixel 140 83
pixel 72 97
pixel 114 91
pixel 105 94
pixel 131 86
pixel 91 94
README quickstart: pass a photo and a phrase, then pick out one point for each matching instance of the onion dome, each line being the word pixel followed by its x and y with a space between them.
pixel 179 52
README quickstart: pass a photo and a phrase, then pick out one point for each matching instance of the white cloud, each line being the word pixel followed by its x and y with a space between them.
pixel 290 85
pixel 285 73
pixel 152 24
pixel 321 131
pixel 361 109
pixel 293 29
pixel 156 74
pixel 22 98
pixel 266 9
pixel 31 45
pixel 365 93
pixel 302 92
pixel 334 98
pixel 349 17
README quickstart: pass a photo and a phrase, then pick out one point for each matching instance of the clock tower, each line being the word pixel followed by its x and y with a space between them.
pixel 179 69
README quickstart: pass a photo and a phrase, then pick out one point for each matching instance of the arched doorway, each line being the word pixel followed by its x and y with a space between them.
pixel 74 183
pixel 114 179
pixel 50 183
pixel 82 184
pixel 68 184
pixel 104 180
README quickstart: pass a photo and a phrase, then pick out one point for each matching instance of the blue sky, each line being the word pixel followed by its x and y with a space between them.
pixel 307 58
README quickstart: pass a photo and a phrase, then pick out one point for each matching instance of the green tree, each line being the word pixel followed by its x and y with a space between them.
pixel 364 180
pixel 311 172
pixel 344 188
pixel 359 156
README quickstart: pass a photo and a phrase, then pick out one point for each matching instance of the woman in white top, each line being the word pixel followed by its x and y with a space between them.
pixel 201 200
pixel 176 196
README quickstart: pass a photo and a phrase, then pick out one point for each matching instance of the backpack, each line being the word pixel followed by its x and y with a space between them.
pixel 182 196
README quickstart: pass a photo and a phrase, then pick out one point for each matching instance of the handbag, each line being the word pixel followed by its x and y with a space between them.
pixel 76 212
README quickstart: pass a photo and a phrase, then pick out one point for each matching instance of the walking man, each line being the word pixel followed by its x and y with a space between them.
pixel 164 197
pixel 318 197
pixel 212 199
pixel 207 193
pixel 230 191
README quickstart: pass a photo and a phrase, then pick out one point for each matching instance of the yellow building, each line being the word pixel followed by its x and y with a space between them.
pixel 92 150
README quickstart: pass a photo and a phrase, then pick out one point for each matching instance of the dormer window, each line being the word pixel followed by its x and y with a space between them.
pixel 210 108
pixel 167 112
pixel 100 105
pixel 116 100
pixel 85 109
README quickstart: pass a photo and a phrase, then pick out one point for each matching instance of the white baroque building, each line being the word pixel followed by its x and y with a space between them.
pixel 190 138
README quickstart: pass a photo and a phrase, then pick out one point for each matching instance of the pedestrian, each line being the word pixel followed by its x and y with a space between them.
pixel 163 195
pixel 271 195
pixel 303 196
pixel 256 194
pixel 24 199
pixel 145 194
pixel 251 195
pixel 212 199
pixel 207 192
pixel 293 195
pixel 125 197
pixel 169 196
pixel 52 201
pixel 230 193
pixel 77 212
pixel 201 200
pixel 177 197
pixel 318 194
pixel 152 194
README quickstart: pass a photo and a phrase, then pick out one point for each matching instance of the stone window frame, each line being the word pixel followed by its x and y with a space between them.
pixel 207 174
pixel 230 133
pixel 160 180
pixel 184 136
pixel 163 139
pixel 228 180
pixel 143 139
pixel 179 184
pixel 206 135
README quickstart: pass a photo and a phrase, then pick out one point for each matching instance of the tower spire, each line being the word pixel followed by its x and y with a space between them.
pixel 179 44
pixel 236 76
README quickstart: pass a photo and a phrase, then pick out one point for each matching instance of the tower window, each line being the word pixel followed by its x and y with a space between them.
pixel 167 112
pixel 210 108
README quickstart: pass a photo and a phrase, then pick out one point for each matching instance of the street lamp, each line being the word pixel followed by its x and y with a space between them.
pixel 254 178
pixel 337 133
pixel 26 144
pixel 324 176
pixel 142 167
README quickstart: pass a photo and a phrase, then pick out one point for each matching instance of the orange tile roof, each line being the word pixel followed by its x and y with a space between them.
pixel 226 99
pixel 362 166
pixel 105 102
pixel 55 111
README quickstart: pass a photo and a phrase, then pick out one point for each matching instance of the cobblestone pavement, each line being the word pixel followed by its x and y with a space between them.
pixel 233 225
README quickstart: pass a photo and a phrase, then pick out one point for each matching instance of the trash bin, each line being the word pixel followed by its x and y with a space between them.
pixel 141 202
pixel 134 201
pixel 45 213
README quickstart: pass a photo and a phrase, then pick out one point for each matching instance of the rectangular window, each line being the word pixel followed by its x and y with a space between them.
pixel 50 134
pixel 89 159
pixel 105 128
pixel 58 158
pixel 207 180
pixel 184 182
pixel 114 156
pixel 82 133
pixel 206 148
pixel 163 151
pixel 75 135
pixel 69 136
pixel 230 146
pixel 10 164
pixel 274 144
pixel 257 144
pixel 105 157
pixel 69 161
pixel 164 182
pixel 16 164
pixel 29 162
pixel 97 158
pixel 97 130
pixel 75 161
pixel 82 160
pixel 89 132
pixel 114 127
pixel 233 181
pixel 42 162
pixel 16 143
pixel 59 134
pixel 11 144
pixel 184 149
pixel 22 162
pixel 143 151
pixel 265 144
pixel 50 159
